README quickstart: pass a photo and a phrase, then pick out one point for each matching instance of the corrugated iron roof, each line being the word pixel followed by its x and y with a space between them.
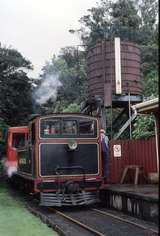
pixel 147 107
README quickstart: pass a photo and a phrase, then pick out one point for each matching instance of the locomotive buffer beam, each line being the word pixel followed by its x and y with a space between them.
pixel 61 199
pixel 69 192
pixel 69 186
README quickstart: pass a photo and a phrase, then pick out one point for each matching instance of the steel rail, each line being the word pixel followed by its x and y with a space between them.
pixel 107 214
pixel 124 220
pixel 95 232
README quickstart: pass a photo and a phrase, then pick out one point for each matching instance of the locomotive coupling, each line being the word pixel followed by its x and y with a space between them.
pixel 71 187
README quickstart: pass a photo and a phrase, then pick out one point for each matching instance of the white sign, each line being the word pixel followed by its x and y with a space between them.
pixel 117 150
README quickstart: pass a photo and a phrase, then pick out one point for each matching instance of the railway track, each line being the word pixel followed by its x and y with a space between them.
pixel 84 226
pixel 87 221
pixel 95 232
pixel 92 221
pixel 126 221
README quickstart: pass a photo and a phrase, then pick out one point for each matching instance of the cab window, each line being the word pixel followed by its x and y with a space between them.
pixel 86 127
pixel 69 127
pixel 18 140
pixel 50 127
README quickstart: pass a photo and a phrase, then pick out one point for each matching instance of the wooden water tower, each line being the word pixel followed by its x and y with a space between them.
pixel 114 76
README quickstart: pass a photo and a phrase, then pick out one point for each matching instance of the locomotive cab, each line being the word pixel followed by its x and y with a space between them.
pixel 68 160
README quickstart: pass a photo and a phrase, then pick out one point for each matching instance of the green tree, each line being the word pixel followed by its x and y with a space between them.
pixel 130 20
pixel 70 66
pixel 144 127
pixel 15 87
pixel 73 107
pixel 151 84
pixel 3 132
pixel 109 20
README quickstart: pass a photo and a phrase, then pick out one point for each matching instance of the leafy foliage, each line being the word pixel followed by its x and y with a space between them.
pixel 3 132
pixel 73 107
pixel 134 21
pixel 70 67
pixel 151 84
pixel 3 128
pixel 144 127
pixel 15 87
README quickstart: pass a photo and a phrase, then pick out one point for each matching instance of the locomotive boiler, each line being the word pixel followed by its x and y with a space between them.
pixel 61 160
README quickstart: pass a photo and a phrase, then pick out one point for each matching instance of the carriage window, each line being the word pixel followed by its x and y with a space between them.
pixel 18 140
pixel 50 127
pixel 69 127
pixel 86 127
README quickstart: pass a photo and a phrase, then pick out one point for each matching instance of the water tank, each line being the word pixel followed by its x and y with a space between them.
pixel 101 70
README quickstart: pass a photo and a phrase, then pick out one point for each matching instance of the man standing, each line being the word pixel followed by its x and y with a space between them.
pixel 105 153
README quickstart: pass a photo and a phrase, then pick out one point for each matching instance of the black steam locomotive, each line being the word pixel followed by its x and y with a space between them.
pixel 61 159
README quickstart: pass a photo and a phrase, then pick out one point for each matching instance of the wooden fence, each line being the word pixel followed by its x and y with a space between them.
pixel 131 152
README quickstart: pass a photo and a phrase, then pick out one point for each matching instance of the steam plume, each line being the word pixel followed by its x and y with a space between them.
pixel 48 89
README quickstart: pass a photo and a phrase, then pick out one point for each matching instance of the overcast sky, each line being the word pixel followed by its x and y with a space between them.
pixel 39 28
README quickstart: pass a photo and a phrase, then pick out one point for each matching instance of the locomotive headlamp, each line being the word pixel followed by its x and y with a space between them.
pixel 72 145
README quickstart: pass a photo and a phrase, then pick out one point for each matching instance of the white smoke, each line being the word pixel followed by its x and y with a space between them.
pixel 48 89
pixel 10 167
pixel 11 170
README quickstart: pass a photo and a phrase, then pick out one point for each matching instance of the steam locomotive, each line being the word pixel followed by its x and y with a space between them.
pixel 57 156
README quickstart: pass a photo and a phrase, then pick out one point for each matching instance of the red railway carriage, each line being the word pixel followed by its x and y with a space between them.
pixel 17 137
pixel 62 161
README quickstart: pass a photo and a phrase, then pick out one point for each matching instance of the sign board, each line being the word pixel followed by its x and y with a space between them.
pixel 117 150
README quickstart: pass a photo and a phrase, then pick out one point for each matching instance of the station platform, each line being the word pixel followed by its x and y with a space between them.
pixel 140 201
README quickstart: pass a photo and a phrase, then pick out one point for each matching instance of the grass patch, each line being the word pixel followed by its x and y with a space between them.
pixel 16 220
